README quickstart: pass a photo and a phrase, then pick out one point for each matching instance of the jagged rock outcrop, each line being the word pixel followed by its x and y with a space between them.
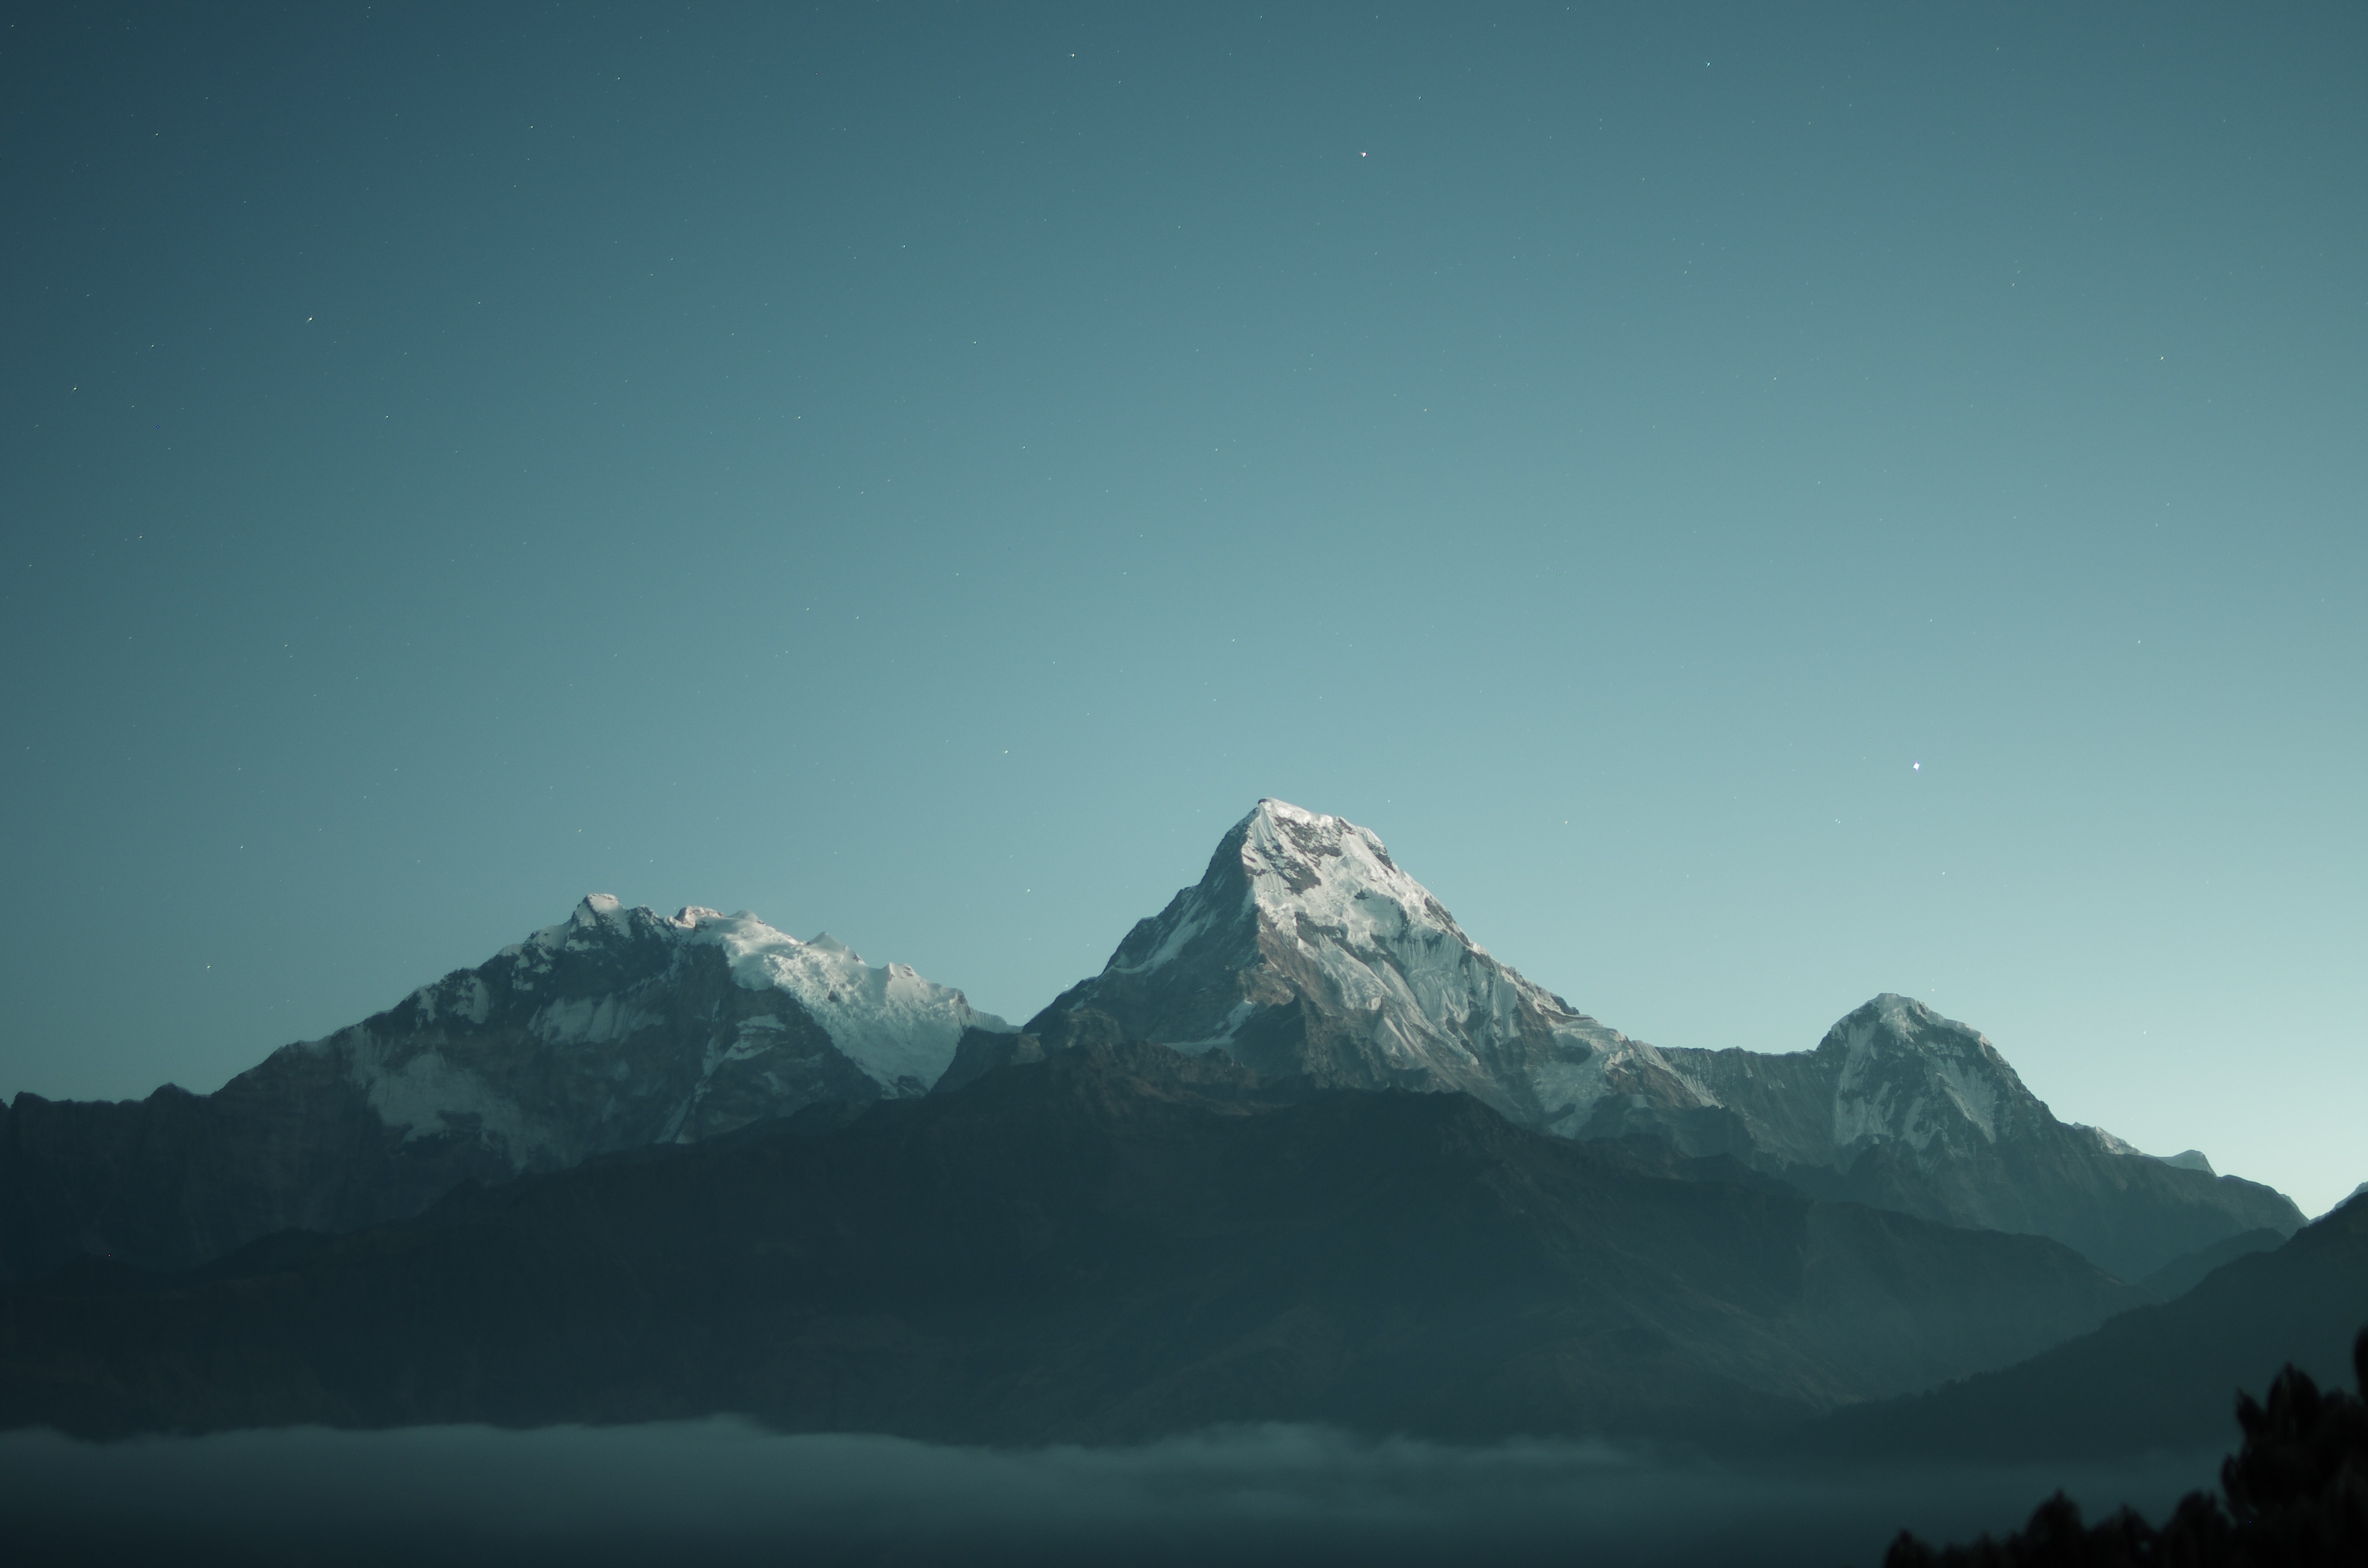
pixel 616 1029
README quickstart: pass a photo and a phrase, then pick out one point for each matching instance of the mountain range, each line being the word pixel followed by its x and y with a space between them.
pixel 1301 1150
pixel 1116 1242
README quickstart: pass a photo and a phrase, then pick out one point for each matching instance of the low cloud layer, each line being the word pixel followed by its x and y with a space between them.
pixel 724 1492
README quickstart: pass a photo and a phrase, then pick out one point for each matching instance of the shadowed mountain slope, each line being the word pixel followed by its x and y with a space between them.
pixel 1117 1242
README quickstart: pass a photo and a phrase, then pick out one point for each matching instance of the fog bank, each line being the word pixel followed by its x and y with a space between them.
pixel 728 1492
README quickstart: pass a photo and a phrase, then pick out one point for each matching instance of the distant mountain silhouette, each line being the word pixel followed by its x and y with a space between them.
pixel 2154 1378
pixel 2180 1275
pixel 1115 1242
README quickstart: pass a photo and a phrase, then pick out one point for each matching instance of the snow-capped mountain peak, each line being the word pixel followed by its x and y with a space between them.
pixel 1902 1107
pixel 622 1025
pixel 1892 1071
pixel 1338 878
pixel 1305 949
pixel 1909 1074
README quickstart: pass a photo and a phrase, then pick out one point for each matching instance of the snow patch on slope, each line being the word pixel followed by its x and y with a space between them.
pixel 431 1095
pixel 588 1020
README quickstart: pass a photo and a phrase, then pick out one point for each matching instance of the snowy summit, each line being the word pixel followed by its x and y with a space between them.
pixel 621 1027
pixel 1305 949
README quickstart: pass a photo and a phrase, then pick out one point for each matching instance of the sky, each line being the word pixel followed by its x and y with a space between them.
pixel 1757 506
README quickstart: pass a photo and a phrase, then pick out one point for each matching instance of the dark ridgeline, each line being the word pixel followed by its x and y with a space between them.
pixel 2294 1496
pixel 1114 1243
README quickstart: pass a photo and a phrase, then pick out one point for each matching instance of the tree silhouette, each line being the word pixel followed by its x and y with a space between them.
pixel 2294 1494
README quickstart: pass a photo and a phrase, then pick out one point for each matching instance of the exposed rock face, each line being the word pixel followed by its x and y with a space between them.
pixel 1905 1109
pixel 614 1029
pixel 1305 950
pixel 1110 1243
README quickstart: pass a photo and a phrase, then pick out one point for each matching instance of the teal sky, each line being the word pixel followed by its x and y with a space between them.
pixel 924 471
